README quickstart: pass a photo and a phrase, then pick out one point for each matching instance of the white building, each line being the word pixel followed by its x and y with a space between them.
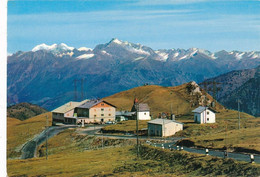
pixel 60 114
pixel 163 127
pixel 142 110
pixel 204 115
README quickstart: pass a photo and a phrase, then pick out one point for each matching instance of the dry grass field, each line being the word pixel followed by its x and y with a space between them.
pixel 126 126
pixel 19 132
pixel 225 133
pixel 160 99
pixel 87 163
pixel 122 161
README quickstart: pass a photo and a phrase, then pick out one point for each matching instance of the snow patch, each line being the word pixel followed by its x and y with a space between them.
pixel 139 58
pixel 84 49
pixel 254 55
pixel 139 51
pixel 163 55
pixel 54 47
pixel 105 52
pixel 183 57
pixel 67 53
pixel 239 56
pixel 117 41
pixel 85 56
pixel 176 54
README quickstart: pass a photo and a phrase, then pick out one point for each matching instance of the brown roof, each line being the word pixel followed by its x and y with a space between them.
pixel 141 107
pixel 92 103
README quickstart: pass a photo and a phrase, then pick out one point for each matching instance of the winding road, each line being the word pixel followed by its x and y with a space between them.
pixel 29 149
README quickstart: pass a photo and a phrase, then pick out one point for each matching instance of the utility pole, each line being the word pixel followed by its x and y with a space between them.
pixel 102 141
pixel 238 107
pixel 226 153
pixel 47 126
pixel 171 108
pixel 137 132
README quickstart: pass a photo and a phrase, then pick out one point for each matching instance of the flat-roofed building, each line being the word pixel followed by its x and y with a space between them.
pixel 60 114
pixel 163 127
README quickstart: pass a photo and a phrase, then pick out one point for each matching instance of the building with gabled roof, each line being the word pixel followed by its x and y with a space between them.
pixel 87 111
pixel 95 111
pixel 163 127
pixel 142 110
pixel 203 115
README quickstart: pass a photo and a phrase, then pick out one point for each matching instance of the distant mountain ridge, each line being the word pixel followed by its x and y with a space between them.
pixel 45 75
pixel 23 111
pixel 240 84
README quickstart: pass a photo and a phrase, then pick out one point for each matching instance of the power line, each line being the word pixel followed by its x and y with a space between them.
pixel 82 83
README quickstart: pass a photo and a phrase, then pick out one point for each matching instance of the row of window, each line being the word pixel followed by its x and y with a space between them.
pixel 102 115
pixel 102 109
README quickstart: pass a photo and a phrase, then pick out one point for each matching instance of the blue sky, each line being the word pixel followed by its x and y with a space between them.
pixel 214 24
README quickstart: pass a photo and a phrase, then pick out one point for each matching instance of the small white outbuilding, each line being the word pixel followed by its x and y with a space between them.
pixel 142 110
pixel 163 127
pixel 203 115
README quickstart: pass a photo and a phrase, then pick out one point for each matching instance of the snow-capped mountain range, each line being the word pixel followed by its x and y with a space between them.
pixel 161 54
pixel 45 74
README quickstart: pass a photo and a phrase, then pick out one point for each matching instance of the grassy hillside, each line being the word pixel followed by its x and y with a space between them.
pixel 121 161
pixel 224 133
pixel 77 155
pixel 19 132
pixel 180 99
pixel 24 111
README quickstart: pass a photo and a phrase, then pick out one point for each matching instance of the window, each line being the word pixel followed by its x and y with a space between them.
pixel 145 113
pixel 102 114
pixel 102 109
pixel 109 109
pixel 102 104
pixel 207 119
pixel 95 115
pixel 207 112
pixel 109 114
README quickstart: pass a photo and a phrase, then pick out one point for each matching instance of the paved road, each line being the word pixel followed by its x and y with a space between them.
pixel 29 149
pixel 233 155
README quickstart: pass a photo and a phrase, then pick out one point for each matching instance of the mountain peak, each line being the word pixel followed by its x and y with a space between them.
pixel 53 48
pixel 131 47
pixel 115 40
